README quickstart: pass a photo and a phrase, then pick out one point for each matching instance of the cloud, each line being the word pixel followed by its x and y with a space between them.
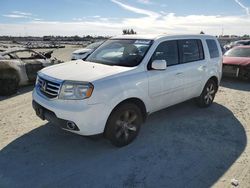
pixel 96 17
pixel 77 19
pixel 163 5
pixel 150 23
pixel 136 10
pixel 38 19
pixel 170 24
pixel 14 16
pixel 144 1
pixel 247 10
pixel 18 14
pixel 22 13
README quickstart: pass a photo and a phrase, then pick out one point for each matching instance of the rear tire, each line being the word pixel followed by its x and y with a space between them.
pixel 207 96
pixel 124 124
pixel 8 86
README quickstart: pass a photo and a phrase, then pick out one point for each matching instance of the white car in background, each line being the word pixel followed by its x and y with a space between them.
pixel 84 52
pixel 237 43
pixel 124 80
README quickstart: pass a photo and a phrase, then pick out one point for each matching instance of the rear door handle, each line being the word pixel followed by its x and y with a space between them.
pixel 204 67
pixel 179 73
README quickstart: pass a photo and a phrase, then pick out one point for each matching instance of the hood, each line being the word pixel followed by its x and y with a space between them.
pixel 243 61
pixel 83 50
pixel 82 71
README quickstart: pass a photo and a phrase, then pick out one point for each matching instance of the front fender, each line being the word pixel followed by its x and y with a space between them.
pixel 113 91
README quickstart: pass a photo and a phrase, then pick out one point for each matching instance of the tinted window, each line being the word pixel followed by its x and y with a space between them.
pixel 190 50
pixel 167 51
pixel 213 49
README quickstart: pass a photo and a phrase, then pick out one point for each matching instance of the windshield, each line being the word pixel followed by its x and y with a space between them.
pixel 238 52
pixel 94 45
pixel 121 52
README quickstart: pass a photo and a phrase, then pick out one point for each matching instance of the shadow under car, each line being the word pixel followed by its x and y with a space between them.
pixel 181 146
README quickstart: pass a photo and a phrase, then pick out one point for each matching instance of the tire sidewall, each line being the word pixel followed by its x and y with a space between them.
pixel 201 99
pixel 111 125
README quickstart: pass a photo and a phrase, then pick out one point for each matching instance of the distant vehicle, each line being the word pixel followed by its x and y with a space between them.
pixel 236 62
pixel 237 43
pixel 124 80
pixel 19 66
pixel 84 52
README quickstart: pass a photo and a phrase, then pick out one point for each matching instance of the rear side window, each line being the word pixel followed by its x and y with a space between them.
pixel 213 48
pixel 167 51
pixel 190 50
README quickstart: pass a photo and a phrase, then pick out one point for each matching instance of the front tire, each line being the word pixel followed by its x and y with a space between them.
pixel 207 96
pixel 124 124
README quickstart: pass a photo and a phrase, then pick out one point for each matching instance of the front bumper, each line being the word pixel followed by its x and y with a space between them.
pixel 236 71
pixel 46 114
pixel 90 119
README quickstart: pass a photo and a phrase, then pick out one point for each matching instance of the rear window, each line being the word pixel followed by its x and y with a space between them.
pixel 190 50
pixel 213 48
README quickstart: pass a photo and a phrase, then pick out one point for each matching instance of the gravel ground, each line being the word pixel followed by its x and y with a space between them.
pixel 181 146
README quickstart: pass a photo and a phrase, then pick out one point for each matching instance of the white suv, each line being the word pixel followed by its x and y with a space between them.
pixel 124 80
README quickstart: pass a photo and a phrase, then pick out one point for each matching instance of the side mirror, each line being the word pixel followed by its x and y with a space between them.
pixel 159 65
pixel 86 57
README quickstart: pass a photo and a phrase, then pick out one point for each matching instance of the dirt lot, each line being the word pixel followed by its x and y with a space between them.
pixel 182 146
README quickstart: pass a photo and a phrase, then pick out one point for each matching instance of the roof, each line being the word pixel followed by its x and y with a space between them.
pixel 11 50
pixel 245 40
pixel 149 37
pixel 157 36
pixel 244 46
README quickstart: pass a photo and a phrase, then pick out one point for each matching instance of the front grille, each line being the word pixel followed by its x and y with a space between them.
pixel 48 88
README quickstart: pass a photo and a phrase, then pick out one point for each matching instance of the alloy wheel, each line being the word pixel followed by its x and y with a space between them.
pixel 210 92
pixel 126 125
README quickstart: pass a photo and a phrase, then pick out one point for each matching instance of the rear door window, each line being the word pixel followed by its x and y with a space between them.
pixel 213 48
pixel 190 50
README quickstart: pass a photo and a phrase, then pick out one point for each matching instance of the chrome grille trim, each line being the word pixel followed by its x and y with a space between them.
pixel 48 87
pixel 54 86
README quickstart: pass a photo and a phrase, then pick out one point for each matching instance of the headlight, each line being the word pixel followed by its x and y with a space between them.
pixel 76 90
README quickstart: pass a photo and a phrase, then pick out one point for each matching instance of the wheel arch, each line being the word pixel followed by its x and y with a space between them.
pixel 138 102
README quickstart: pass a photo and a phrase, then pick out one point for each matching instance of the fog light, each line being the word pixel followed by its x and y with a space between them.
pixel 71 125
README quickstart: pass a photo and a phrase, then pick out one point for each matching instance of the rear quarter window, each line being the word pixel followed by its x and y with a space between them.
pixel 212 48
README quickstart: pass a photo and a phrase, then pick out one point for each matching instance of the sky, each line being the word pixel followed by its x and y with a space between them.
pixel 110 17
